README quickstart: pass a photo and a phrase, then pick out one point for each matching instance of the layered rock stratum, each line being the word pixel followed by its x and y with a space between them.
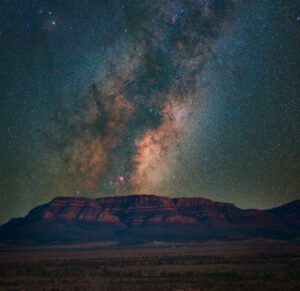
pixel 139 218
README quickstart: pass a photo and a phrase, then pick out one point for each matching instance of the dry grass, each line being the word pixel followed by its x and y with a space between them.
pixel 251 265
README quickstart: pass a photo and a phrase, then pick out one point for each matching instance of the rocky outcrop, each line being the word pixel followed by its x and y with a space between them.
pixel 128 210
pixel 137 217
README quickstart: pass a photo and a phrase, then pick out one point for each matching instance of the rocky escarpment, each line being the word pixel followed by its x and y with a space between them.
pixel 135 210
pixel 147 217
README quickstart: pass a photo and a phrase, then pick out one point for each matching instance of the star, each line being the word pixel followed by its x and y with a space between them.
pixel 107 95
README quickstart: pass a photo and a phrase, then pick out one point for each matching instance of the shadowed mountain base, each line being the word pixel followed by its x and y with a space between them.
pixel 145 218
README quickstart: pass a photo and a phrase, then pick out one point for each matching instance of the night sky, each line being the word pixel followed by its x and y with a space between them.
pixel 175 98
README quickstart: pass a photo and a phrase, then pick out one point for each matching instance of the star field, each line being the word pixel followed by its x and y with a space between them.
pixel 175 98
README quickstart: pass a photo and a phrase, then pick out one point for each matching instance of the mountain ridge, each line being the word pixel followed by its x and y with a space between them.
pixel 148 217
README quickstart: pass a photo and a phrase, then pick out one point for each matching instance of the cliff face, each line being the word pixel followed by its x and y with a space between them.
pixel 135 210
pixel 150 217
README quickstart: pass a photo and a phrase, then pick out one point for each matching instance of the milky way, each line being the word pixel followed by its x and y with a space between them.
pixel 175 98
pixel 133 121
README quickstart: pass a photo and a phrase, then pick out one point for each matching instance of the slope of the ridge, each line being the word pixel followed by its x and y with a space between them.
pixel 138 218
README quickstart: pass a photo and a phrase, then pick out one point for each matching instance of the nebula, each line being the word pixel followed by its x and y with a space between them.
pixel 132 122
pixel 169 97
pixel 159 149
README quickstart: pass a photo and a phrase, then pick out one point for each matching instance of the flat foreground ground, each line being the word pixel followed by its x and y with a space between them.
pixel 248 265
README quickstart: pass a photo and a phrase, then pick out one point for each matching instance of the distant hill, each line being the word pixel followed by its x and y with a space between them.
pixel 146 218
pixel 289 213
